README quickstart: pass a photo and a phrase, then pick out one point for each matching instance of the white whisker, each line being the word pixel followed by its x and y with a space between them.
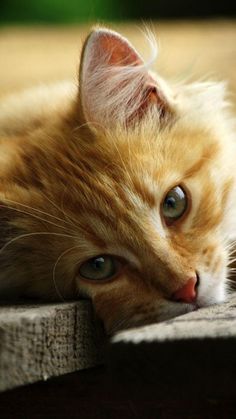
pixel 34 216
pixel 34 209
pixel 33 234
pixel 54 270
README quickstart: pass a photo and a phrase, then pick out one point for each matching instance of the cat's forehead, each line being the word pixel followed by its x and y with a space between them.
pixel 163 154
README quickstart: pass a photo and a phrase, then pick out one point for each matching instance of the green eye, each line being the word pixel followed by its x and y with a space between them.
pixel 99 268
pixel 174 205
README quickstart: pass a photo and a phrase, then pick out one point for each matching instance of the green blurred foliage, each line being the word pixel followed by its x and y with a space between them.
pixel 59 11
pixel 72 11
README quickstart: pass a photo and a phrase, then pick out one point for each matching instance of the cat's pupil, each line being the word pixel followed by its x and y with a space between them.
pixel 97 263
pixel 171 202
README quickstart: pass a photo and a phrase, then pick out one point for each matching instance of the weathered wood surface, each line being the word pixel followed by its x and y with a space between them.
pixel 42 341
pixel 189 358
pixel 184 368
pixel 39 342
pixel 216 321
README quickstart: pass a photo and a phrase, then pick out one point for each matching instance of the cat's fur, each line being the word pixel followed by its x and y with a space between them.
pixel 84 172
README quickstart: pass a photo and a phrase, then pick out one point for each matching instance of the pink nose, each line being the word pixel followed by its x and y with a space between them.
pixel 186 294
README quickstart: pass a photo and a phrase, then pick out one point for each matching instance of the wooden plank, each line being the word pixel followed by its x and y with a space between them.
pixel 42 341
pixel 216 322
pixel 191 357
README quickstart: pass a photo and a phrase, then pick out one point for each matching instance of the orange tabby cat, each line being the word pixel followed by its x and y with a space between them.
pixel 121 190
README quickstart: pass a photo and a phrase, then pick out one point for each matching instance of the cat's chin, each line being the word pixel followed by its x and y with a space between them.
pixel 211 293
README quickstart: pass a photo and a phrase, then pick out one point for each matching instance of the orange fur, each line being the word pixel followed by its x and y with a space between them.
pixel 72 189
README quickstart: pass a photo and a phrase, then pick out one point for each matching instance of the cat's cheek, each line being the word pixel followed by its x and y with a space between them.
pixel 121 303
pixel 88 289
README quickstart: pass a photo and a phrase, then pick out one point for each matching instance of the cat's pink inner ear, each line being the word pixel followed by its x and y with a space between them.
pixel 110 91
pixel 104 47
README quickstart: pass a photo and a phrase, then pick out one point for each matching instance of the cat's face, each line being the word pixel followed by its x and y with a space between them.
pixel 146 206
pixel 155 213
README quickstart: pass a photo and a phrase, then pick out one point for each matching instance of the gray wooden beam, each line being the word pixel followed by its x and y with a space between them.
pixel 190 357
pixel 215 322
pixel 41 341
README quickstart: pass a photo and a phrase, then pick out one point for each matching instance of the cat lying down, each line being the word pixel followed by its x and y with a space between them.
pixel 121 190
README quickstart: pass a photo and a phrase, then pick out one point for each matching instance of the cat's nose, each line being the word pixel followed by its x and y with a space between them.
pixel 187 293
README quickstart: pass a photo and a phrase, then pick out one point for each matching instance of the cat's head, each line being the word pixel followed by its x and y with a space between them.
pixel 150 182
pixel 160 201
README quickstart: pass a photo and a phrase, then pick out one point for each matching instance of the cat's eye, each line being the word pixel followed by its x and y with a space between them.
pixel 174 205
pixel 99 268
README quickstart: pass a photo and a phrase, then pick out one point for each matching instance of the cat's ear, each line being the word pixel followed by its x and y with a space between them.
pixel 115 84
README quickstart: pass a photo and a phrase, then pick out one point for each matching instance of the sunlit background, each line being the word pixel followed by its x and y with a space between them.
pixel 41 40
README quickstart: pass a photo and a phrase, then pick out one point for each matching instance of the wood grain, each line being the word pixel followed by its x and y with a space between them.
pixel 184 368
pixel 42 341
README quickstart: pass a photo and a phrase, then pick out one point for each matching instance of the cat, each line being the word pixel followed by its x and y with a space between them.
pixel 120 190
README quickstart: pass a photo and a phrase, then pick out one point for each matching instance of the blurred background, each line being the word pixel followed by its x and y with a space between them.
pixel 64 11
pixel 41 40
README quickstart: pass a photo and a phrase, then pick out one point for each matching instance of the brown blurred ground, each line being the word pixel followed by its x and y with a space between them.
pixel 33 55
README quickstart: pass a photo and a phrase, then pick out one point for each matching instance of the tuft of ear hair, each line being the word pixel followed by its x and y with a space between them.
pixel 116 87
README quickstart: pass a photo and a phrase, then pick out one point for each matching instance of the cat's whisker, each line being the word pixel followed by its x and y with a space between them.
pixel 230 242
pixel 54 270
pixel 34 216
pixel 33 234
pixel 230 247
pixel 231 253
pixel 70 221
pixel 46 197
pixel 32 208
pixel 94 124
pixel 231 270
pixel 85 124
pixel 231 278
pixel 230 282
